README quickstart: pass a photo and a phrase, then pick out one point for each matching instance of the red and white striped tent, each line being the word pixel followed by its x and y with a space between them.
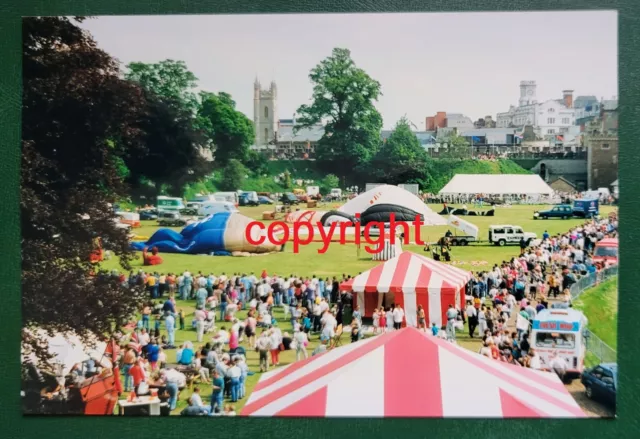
pixel 409 373
pixel 413 280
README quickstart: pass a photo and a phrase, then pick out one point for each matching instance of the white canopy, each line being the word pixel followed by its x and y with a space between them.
pixel 387 194
pixel 67 350
pixel 497 184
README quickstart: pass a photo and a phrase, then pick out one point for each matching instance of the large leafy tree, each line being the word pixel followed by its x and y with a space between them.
pixel 169 79
pixel 343 96
pixel 86 130
pixel 401 159
pixel 231 132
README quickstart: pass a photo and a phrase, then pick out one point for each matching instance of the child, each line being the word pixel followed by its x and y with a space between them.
pixel 383 321
pixel 229 410
pixel 389 319
pixel 306 324
pixel 434 330
pixel 181 316
pixel 376 321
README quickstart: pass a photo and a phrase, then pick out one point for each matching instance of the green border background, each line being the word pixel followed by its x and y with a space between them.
pixel 14 425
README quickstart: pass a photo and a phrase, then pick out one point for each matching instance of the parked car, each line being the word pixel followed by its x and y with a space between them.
pixel 289 199
pixel 246 200
pixel 563 211
pixel 506 234
pixel 600 382
pixel 189 211
pixel 264 200
pixel 171 219
pixel 150 214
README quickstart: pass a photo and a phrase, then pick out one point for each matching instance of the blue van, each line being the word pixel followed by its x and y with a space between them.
pixel 586 208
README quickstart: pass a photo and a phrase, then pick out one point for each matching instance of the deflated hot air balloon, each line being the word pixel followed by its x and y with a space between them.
pixel 319 216
pixel 222 233
pixel 380 202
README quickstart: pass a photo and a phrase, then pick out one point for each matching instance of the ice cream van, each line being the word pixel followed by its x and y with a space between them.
pixel 560 332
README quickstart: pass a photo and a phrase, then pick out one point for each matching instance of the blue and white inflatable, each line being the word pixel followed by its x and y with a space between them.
pixel 223 233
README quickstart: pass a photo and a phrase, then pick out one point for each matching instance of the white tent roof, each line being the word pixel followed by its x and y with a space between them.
pixel 387 194
pixel 497 184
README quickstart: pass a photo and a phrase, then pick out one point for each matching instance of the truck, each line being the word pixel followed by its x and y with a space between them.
pixel 169 204
pixel 313 191
pixel 413 188
pixel 507 234
pixel 231 197
pixel 560 332
pixel 335 194
pixel 469 232
pixel 213 207
pixel 586 207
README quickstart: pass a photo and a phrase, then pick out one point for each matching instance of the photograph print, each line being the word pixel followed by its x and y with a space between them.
pixel 320 215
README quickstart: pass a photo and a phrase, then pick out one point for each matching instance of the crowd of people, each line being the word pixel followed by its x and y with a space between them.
pixel 538 278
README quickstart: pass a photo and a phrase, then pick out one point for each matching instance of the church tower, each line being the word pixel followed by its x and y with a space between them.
pixel 265 113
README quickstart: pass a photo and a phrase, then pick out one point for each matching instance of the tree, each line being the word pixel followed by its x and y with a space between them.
pixel 233 176
pixel 174 152
pixel 457 147
pixel 168 79
pixel 401 159
pixel 480 123
pixel 231 132
pixel 344 96
pixel 329 182
pixel 79 124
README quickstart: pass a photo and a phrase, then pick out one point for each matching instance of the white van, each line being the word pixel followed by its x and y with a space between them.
pixel 560 332
pixel 231 197
pixel 507 234
pixel 211 207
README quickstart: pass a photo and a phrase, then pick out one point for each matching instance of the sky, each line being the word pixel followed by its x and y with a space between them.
pixel 469 63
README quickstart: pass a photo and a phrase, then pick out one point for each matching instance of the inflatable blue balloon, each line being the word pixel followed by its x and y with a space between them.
pixel 222 233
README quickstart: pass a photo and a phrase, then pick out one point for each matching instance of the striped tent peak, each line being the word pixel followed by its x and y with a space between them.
pixel 376 377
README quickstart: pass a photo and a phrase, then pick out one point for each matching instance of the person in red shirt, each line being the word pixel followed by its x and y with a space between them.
pixel 137 373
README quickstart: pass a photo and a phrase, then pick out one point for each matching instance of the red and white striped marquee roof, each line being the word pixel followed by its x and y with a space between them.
pixel 408 373
pixel 413 280
pixel 408 273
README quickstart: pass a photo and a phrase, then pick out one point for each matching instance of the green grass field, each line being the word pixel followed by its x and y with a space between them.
pixel 337 260
pixel 346 259
pixel 600 305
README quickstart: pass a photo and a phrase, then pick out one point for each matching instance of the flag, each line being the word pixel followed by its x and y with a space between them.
pixel 560 138
pixel 475 138
pixel 519 135
pixel 433 138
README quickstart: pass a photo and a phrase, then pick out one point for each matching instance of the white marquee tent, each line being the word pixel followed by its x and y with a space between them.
pixel 498 185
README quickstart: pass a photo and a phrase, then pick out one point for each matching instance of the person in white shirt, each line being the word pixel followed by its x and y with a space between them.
pixel 534 362
pixel 301 344
pixel 234 373
pixel 275 339
pixel 144 338
pixel 389 317
pixel 559 366
pixel 263 290
pixel 472 318
pixel 328 326
pixel 398 316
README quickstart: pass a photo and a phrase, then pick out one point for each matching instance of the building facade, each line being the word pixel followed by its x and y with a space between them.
pixel 279 138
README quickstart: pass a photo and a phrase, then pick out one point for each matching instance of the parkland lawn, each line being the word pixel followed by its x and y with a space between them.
pixel 346 258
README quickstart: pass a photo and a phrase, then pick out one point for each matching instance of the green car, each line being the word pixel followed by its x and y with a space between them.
pixel 564 211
